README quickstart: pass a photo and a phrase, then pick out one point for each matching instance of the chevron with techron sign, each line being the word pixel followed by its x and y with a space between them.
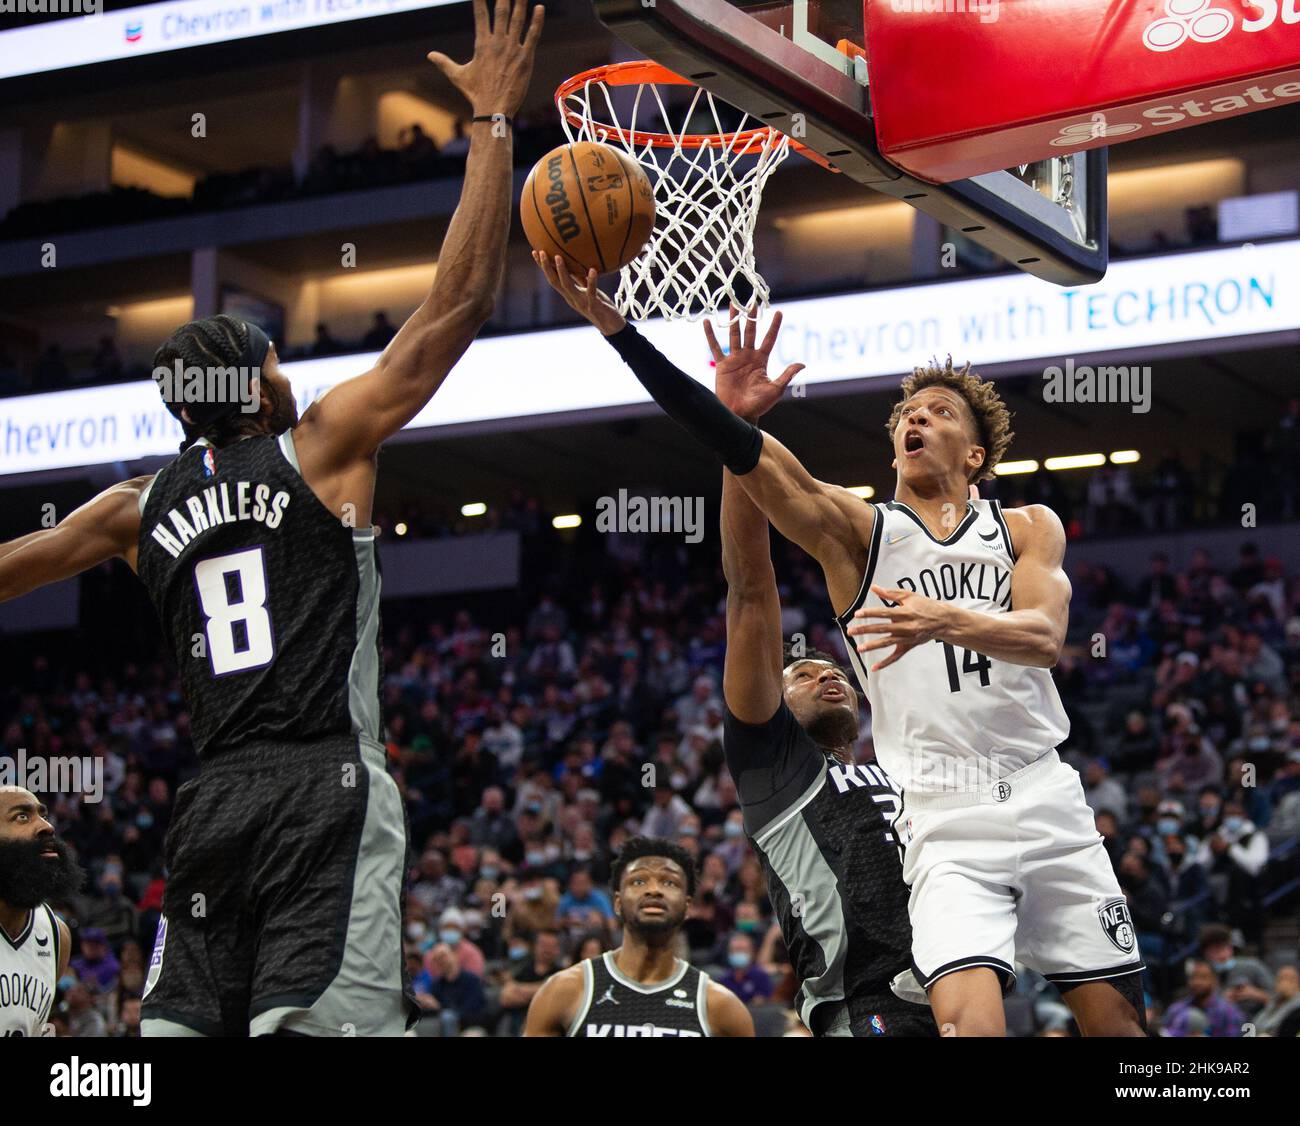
pixel 963 87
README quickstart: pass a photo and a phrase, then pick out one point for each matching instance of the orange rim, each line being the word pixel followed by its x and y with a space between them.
pixel 649 73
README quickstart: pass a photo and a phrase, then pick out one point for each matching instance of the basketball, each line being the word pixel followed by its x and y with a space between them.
pixel 590 203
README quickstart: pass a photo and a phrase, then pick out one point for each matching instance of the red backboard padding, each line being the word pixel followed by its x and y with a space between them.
pixel 973 87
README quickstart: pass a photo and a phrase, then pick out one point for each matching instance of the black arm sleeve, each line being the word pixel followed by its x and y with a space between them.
pixel 694 408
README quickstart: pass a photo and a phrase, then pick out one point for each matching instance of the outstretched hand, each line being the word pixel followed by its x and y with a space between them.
pixel 496 78
pixel 588 300
pixel 742 382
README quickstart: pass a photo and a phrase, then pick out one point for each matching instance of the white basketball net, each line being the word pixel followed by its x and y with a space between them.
pixel 700 257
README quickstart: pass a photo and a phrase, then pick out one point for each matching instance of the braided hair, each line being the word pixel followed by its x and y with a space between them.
pixel 210 342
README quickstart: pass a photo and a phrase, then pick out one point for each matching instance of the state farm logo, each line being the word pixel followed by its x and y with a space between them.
pixel 1095 129
pixel 1198 21
pixel 1189 19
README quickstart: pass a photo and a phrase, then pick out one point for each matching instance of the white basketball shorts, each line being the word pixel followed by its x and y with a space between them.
pixel 1014 871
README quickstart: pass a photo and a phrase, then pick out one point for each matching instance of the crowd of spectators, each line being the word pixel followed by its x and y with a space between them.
pixel 521 731
pixel 1173 491
pixel 417 157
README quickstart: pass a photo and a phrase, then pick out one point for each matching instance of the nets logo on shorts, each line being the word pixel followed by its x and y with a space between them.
pixel 1118 925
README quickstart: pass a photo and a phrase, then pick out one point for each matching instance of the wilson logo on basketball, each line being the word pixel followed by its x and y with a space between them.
pixel 557 199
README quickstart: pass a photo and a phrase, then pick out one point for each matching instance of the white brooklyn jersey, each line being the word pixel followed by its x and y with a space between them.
pixel 945 718
pixel 29 967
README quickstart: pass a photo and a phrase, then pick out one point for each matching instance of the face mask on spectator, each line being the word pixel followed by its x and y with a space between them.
pixel 1223 967
pixel 66 982
pixel 1260 743
pixel 1233 824
pixel 415 931
pixel 518 953
pixel 532 893
pixel 747 925
pixel 535 856
pixel 144 819
pixel 489 871
pixel 733 829
pixel 449 935
pixel 738 959
pixel 1167 826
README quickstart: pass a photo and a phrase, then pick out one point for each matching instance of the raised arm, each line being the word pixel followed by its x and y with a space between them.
pixel 751 677
pixel 828 522
pixel 751 672
pixel 354 418
pixel 101 529
pixel 1031 633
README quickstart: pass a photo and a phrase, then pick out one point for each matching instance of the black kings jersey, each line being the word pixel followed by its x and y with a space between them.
pixel 269 602
pixel 824 833
pixel 615 1005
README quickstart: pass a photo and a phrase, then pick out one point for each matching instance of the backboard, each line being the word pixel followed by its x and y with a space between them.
pixel 799 66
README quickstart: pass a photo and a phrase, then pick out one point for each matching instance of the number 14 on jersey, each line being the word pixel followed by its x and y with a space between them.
pixel 971 662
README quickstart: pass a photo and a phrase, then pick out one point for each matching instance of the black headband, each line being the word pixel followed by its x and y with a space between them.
pixel 251 357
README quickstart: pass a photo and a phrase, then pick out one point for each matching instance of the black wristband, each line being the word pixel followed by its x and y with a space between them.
pixel 494 118
pixel 693 407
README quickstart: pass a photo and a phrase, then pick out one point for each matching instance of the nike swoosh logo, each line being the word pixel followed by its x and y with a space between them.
pixel 890 540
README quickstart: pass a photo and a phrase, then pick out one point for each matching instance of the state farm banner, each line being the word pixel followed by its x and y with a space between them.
pixel 964 87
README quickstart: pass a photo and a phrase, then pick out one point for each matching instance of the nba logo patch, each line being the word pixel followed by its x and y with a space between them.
pixel 1118 925
pixel 209 462
pixel 156 959
pixel 877 1025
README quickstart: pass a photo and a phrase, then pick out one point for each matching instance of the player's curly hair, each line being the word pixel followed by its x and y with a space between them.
pixel 636 848
pixel 992 419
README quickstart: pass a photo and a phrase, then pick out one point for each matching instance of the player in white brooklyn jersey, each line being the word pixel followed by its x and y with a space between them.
pixel 963 609
pixel 34 942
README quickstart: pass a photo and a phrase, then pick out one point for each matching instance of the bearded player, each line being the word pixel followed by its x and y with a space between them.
pixel 286 856
pixel 35 944
pixel 954 613
pixel 642 988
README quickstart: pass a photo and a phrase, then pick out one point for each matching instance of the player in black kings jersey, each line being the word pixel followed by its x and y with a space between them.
pixel 821 824
pixel 642 988
pixel 285 858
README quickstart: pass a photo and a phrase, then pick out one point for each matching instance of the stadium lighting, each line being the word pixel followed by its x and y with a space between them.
pixel 1076 461
pixel 570 521
pixel 474 508
pixel 400 529
pixel 1124 457
pixel 1008 468
pixel 866 492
